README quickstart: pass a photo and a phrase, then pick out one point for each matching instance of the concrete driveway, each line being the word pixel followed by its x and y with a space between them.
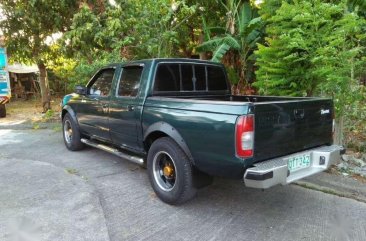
pixel 51 193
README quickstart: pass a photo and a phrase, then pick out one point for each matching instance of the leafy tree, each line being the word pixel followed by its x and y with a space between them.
pixel 268 8
pixel 26 27
pixel 134 29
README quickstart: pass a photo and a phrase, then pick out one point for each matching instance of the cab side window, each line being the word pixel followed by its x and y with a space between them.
pixel 102 83
pixel 130 80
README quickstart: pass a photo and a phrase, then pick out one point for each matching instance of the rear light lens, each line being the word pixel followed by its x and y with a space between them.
pixel 244 136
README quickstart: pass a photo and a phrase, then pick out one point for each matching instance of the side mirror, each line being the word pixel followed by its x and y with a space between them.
pixel 81 90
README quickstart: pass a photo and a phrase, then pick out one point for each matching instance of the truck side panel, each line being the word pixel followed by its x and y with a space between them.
pixel 208 135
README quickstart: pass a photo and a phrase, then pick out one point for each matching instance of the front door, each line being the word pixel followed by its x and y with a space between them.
pixel 94 107
pixel 125 109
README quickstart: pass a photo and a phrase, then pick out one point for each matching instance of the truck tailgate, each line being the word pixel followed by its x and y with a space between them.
pixel 285 127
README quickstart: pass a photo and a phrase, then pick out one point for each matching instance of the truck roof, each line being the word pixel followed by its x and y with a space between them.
pixel 172 60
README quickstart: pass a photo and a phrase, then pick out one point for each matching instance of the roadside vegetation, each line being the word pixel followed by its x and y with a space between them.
pixel 270 47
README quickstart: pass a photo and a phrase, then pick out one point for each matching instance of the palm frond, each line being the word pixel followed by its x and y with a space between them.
pixel 220 52
pixel 232 42
pixel 253 25
pixel 214 43
pixel 209 45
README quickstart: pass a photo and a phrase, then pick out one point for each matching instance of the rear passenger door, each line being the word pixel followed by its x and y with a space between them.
pixel 125 109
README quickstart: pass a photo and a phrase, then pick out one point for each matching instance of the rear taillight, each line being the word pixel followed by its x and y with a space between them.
pixel 244 136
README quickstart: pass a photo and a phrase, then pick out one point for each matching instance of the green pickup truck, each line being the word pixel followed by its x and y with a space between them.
pixel 178 118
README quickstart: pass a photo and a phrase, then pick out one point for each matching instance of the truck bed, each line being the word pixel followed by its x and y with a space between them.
pixel 283 125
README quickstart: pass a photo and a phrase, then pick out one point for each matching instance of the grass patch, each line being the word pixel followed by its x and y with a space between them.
pixel 57 128
pixel 35 126
pixel 72 171
pixel 49 114
pixel 328 191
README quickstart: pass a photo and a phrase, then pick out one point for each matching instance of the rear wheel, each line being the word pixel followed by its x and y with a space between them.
pixel 71 134
pixel 170 172
pixel 2 111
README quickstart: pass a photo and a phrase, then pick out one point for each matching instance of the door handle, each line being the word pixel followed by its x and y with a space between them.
pixel 130 108
pixel 299 113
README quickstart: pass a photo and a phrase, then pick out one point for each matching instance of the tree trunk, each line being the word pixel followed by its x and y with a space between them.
pixel 339 131
pixel 45 90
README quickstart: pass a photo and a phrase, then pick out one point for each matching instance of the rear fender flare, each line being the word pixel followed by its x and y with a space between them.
pixel 172 133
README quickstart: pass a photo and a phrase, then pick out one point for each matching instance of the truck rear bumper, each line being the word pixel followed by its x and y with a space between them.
pixel 275 171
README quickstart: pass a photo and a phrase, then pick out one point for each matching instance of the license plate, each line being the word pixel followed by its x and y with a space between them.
pixel 298 162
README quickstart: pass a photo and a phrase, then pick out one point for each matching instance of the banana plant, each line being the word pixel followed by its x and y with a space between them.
pixel 220 46
pixel 241 34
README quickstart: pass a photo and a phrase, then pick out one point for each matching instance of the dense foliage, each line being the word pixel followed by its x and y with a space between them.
pixel 314 48
pixel 129 29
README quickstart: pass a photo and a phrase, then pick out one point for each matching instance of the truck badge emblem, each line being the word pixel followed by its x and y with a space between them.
pixel 324 111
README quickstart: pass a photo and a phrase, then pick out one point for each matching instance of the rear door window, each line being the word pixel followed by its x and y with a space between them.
pixel 130 81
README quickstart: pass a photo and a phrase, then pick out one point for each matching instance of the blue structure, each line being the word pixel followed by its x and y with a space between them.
pixel 5 91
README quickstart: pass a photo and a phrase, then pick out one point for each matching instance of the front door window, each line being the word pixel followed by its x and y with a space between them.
pixel 102 83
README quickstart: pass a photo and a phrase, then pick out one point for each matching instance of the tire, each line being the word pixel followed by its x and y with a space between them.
pixel 170 172
pixel 71 134
pixel 2 111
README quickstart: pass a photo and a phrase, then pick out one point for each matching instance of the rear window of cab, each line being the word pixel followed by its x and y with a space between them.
pixel 186 77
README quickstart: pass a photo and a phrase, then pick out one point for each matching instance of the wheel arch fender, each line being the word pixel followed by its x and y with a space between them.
pixel 68 109
pixel 161 128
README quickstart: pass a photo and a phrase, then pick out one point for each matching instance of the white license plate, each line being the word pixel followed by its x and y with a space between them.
pixel 298 162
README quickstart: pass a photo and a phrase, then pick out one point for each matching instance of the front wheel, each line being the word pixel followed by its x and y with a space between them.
pixel 170 172
pixel 2 111
pixel 71 134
